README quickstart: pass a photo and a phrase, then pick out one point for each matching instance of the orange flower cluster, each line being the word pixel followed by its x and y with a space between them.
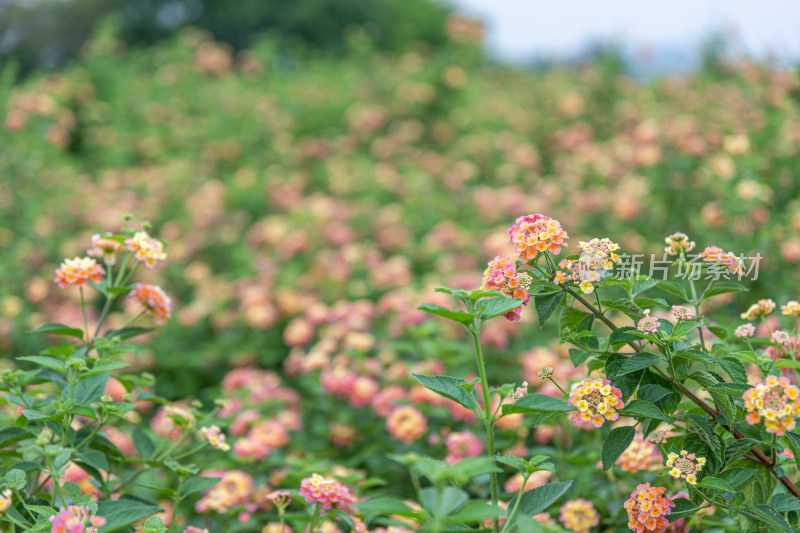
pixel 532 234
pixel 154 300
pixel 640 455
pixel 233 490
pixel 105 248
pixel 647 508
pixel 406 424
pixel 78 271
pixel 762 307
pixel 775 400
pixel 597 400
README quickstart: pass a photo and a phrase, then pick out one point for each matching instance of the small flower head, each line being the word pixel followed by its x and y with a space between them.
pixel 745 331
pixel 406 424
pixel 79 271
pixel 579 515
pixel 776 401
pixel 648 508
pixel 533 234
pixel 546 372
pixel 5 501
pixel 681 312
pixel 781 337
pixel 146 249
pixel 761 308
pixel 462 444
pixel 75 519
pixel 597 401
pixel 105 248
pixel 685 466
pixel 677 243
pixel 328 492
pixel 640 455
pixel 520 392
pixel 280 498
pixel 501 275
pixel 714 254
pixel 791 308
pixel 597 258
pixel 154 300
pixel 233 490
pixel 657 437
pixel 647 324
pixel 215 437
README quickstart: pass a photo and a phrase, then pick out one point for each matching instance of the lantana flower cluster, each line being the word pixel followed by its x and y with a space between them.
pixel 579 515
pixel 147 249
pixel 153 300
pixel 233 490
pixel 640 455
pixel 685 466
pixel 791 308
pixel 598 256
pixel 532 234
pixel 327 492
pixel 501 275
pixel 648 508
pixel 79 271
pixel 106 248
pixel 761 308
pixel 75 519
pixel 776 401
pixel 597 401
pixel 716 255
pixel 678 243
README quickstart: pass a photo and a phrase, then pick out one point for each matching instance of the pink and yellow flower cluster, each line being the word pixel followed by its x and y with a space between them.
pixel 579 515
pixel 75 519
pixel 532 234
pixel 597 401
pixel 685 466
pixel 327 492
pixel 776 401
pixel 501 275
pixel 640 455
pixel 79 271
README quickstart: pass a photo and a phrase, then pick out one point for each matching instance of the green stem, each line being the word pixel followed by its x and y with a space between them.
pixel 559 387
pixel 102 318
pixel 488 422
pixel 175 501
pixel 85 321
pixel 516 502
pixel 313 523
pixel 696 305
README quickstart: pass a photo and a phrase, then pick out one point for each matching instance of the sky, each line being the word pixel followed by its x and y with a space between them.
pixel 519 30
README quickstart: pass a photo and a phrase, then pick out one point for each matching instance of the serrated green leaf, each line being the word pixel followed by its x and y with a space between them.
pixel 535 403
pixel 121 513
pixel 546 304
pixel 682 509
pixel 578 356
pixel 715 483
pixel 616 442
pixel 736 477
pixel 769 516
pixel 199 484
pixel 475 511
pixel 646 409
pixel 536 500
pixel 492 307
pixel 52 328
pixel 47 362
pixel 461 317
pixel 450 387
pixel 638 361
pixel 673 288
pixel 723 287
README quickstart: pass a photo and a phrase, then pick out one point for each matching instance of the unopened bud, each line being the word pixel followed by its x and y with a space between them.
pixel 546 372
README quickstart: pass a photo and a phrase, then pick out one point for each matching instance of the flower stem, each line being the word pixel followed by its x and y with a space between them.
pixel 488 422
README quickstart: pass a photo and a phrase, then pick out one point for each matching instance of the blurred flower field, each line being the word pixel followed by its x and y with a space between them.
pixel 308 206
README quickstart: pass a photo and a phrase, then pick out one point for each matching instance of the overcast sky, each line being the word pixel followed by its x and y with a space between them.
pixel 521 29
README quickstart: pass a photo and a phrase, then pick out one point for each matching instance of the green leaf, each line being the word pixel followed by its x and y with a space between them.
pixel 536 500
pixel 452 499
pixel 105 366
pixel 199 484
pixel 615 443
pixel 47 362
pixel 652 392
pixel 646 409
pixel 58 329
pixel 578 356
pixel 623 334
pixel 793 439
pixel 642 284
pixel 769 516
pixel 383 506
pixel 706 433
pixel 783 503
pixel 475 511
pixel 16 479
pixel 684 327
pixel 450 387
pixel 122 513
pixel 737 449
pixel 513 461
pixel 126 333
pixel 88 389
pixel 461 317
pixel 636 362
pixel 546 304
pixel 12 434
pixel 715 483
pixel 94 459
pixel 733 367
pixel 650 302
pixel 682 509
pixel 722 288
pixel 492 307
pixel 142 442
pixel 719 331
pixel 696 355
pixel 674 288
pixel 42 510
pixel 537 403
pixel 736 477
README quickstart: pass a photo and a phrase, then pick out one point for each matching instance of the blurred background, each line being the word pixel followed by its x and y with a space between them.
pixel 315 165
